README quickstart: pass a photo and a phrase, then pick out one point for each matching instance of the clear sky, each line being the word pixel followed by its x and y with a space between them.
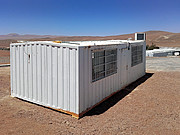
pixel 88 17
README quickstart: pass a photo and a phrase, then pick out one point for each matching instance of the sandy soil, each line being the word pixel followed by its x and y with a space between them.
pixel 4 53
pixel 4 57
pixel 151 105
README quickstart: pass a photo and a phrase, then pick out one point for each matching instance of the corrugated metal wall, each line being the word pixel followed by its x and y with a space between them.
pixel 139 70
pixel 93 92
pixel 61 77
pixel 45 74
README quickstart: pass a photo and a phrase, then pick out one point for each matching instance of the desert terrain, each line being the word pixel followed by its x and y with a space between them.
pixel 148 106
pixel 160 38
pixel 4 57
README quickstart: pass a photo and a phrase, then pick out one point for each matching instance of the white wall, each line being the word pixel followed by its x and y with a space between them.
pixel 61 77
pixel 49 77
pixel 93 92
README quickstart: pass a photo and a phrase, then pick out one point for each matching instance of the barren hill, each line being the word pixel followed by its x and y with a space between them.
pixel 160 38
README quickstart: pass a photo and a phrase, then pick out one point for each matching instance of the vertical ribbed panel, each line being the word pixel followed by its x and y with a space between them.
pixel 73 81
pixel 46 75
pixel 77 100
pixel 81 79
pixel 93 92
pixel 61 77
pixel 49 60
pixel 54 76
pixel 11 69
pixel 30 71
pixel 26 88
pixel 17 71
pixel 34 59
pixel 66 81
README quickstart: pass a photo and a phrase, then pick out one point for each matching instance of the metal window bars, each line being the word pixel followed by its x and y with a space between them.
pixel 136 55
pixel 104 63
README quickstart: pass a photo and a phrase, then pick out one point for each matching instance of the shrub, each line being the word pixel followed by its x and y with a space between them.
pixel 151 47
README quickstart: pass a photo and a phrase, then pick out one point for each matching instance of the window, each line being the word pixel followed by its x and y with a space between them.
pixel 136 55
pixel 140 36
pixel 104 63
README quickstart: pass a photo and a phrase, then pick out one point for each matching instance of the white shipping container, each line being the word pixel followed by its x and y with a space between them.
pixel 74 77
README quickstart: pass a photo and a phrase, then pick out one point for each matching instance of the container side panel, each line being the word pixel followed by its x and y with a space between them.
pixel 11 71
pixel 13 66
pixel 39 73
pixel 49 51
pixel 85 76
pixel 103 89
pixel 49 76
pixel 111 83
pixel 81 79
pixel 34 60
pixel 137 71
pixel 108 85
pixel 100 91
pixel 54 75
pixel 22 69
pixel 93 92
pixel 17 71
pixel 68 65
pixel 119 67
pixel 46 74
pixel 77 81
pixel 66 78
pixel 144 57
pixel 60 78
pixel 30 71
pixel 90 90
pixel 88 65
pixel 26 83
pixel 43 75
pixel 72 80
pixel 96 97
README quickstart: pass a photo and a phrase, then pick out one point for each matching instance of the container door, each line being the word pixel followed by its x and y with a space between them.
pixel 124 67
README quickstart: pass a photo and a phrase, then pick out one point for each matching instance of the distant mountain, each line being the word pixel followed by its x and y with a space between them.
pixel 16 36
pixel 160 38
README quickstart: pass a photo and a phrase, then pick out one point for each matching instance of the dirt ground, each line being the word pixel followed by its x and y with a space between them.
pixel 149 106
pixel 4 53
pixel 4 57
pixel 163 63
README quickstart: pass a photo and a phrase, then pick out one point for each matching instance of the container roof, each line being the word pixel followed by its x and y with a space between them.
pixel 80 43
pixel 159 50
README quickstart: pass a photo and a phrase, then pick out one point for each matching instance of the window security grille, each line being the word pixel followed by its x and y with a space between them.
pixel 136 55
pixel 104 63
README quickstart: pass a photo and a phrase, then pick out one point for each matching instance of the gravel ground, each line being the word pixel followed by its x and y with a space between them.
pixel 163 63
pixel 4 53
pixel 4 57
pixel 151 105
